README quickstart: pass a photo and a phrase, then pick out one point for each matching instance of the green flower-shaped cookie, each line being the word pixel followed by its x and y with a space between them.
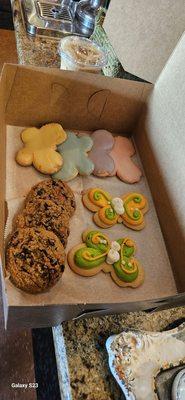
pixel 75 158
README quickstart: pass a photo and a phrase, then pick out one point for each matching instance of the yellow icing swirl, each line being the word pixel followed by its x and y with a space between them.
pixel 99 197
pixel 108 216
pixel 133 205
pixel 88 256
pixel 96 240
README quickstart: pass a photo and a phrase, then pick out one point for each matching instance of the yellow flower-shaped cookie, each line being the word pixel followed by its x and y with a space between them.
pixel 40 148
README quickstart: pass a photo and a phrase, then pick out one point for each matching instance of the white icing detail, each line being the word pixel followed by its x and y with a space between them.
pixel 115 246
pixel 123 262
pixel 130 264
pixel 112 256
pixel 117 204
pixel 103 241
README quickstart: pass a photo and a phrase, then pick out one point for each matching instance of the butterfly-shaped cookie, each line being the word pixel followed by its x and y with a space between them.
pixel 103 143
pixel 128 209
pixel 112 155
pixel 74 152
pixel 97 253
pixel 40 148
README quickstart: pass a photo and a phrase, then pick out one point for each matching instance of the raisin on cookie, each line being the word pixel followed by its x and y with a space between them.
pixel 57 191
pixel 47 215
pixel 35 259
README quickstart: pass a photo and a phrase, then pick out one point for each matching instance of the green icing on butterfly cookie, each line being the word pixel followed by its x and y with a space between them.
pixel 124 267
pixel 136 215
pixel 82 262
pixel 95 251
pixel 101 246
pixel 110 213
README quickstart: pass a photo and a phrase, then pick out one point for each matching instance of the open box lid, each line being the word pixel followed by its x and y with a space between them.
pixel 144 33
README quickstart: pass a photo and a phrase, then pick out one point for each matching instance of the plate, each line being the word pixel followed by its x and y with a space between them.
pixel 136 358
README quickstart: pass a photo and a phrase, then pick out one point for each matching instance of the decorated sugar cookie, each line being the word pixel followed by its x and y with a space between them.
pixel 112 155
pixel 40 148
pixel 74 153
pixel 103 143
pixel 97 253
pixel 128 209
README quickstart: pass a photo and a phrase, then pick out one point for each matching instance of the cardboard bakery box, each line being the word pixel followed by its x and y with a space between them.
pixel 154 117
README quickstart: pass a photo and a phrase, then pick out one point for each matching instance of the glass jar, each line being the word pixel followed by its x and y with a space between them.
pixel 81 54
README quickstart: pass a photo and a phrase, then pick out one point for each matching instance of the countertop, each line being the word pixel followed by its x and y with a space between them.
pixel 43 52
pixel 82 362
pixel 80 345
pixel 33 51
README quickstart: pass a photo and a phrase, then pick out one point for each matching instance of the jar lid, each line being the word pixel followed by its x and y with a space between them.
pixel 86 15
pixel 82 52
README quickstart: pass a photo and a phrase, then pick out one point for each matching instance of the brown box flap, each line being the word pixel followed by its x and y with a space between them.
pixel 76 99
pixel 144 33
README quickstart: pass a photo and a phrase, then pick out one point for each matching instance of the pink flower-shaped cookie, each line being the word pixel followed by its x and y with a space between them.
pixel 103 143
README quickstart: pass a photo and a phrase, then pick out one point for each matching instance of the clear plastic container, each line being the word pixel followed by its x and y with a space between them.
pixel 81 54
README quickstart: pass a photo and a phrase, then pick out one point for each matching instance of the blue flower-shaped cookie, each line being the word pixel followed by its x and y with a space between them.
pixel 75 158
